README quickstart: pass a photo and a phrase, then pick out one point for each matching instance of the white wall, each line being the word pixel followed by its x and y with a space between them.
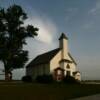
pixel 54 63
pixel 78 76
pixel 71 69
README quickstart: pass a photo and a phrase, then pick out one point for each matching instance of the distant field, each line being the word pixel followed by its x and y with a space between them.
pixel 33 91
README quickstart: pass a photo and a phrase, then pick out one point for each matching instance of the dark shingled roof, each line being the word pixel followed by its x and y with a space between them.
pixel 63 36
pixel 43 58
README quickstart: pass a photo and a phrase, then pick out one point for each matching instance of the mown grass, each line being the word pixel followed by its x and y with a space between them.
pixel 34 91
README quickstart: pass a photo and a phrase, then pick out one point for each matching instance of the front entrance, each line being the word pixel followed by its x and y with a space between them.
pixel 68 73
pixel 58 74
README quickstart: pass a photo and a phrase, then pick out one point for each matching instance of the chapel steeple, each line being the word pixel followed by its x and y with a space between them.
pixel 63 36
pixel 63 45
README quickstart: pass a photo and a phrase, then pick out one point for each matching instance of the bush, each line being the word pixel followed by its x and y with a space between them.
pixel 70 80
pixel 44 79
pixel 27 79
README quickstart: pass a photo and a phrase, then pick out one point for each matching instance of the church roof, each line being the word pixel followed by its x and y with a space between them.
pixel 43 58
pixel 63 36
pixel 72 58
pixel 46 57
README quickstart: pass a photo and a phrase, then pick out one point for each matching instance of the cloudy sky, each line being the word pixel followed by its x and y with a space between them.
pixel 78 19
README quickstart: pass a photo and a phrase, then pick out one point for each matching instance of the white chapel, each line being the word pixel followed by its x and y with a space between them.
pixel 57 63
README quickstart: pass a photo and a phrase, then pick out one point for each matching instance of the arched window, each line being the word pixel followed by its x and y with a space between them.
pixel 67 66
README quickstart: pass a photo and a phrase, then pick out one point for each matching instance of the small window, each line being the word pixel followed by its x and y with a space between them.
pixel 68 66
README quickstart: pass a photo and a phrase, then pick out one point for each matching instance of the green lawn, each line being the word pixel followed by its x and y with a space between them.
pixel 33 91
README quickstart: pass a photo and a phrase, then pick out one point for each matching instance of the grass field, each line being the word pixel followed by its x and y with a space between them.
pixel 33 91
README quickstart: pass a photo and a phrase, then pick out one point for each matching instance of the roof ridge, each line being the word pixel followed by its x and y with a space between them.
pixel 48 51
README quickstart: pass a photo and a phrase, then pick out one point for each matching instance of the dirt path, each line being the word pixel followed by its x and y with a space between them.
pixel 93 97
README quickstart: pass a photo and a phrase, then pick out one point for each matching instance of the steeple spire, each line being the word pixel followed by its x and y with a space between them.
pixel 63 36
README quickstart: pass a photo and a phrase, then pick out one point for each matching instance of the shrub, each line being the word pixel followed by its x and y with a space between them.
pixel 27 79
pixel 44 79
pixel 70 80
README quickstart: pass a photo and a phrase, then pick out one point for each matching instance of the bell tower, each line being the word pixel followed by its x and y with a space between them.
pixel 63 45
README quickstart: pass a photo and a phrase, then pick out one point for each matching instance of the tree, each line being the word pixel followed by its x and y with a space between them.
pixel 13 36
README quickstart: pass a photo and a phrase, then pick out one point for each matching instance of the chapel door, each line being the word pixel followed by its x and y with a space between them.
pixel 68 73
